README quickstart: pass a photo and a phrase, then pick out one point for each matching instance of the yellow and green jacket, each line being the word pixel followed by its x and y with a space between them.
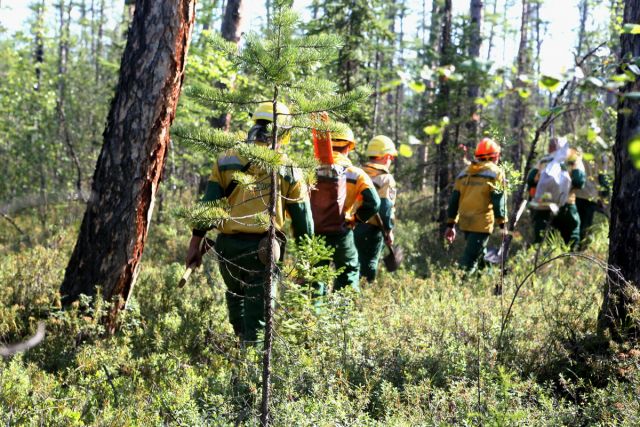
pixel 478 201
pixel 385 184
pixel 362 200
pixel 249 204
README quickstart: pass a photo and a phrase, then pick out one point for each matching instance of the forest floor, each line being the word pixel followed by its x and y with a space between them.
pixel 424 346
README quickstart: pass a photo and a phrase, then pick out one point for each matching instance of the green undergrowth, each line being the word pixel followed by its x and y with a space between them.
pixel 424 346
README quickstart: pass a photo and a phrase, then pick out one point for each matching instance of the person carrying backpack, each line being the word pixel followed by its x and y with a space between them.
pixel 240 237
pixel 478 203
pixel 553 183
pixel 344 195
pixel 369 236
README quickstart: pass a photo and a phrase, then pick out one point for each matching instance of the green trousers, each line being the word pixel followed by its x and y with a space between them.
pixel 345 256
pixel 567 222
pixel 586 211
pixel 369 241
pixel 474 250
pixel 244 275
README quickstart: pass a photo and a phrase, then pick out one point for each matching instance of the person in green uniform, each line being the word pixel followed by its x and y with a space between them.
pixel 477 204
pixel 360 204
pixel 369 236
pixel 560 215
pixel 240 235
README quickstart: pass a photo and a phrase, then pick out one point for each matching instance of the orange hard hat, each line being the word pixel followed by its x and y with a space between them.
pixel 487 149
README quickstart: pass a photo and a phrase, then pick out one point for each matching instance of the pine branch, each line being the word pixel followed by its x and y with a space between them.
pixel 211 141
pixel 333 103
pixel 211 97
pixel 205 215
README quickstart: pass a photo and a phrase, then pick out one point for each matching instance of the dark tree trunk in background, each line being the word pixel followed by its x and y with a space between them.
pixel 624 230
pixel 38 64
pixel 475 43
pixel 492 32
pixel 231 31
pixel 435 33
pixel 136 139
pixel 443 170
pixel 63 55
pixel 520 105
pixel 39 44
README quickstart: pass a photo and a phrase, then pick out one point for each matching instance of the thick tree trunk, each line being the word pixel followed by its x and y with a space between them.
pixel 620 303
pixel 115 225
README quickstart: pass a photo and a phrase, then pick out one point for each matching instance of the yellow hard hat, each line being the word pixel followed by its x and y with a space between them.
pixel 264 111
pixel 380 146
pixel 342 139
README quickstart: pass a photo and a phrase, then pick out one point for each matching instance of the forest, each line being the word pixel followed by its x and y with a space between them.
pixel 320 212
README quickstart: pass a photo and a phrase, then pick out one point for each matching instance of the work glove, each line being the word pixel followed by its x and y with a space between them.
pixel 194 253
pixel 450 234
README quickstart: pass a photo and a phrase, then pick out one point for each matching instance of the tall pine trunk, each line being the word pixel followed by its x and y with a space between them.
pixel 136 140
pixel 63 55
pixel 231 30
pixel 520 105
pixel 620 303
pixel 435 34
pixel 443 169
pixel 475 43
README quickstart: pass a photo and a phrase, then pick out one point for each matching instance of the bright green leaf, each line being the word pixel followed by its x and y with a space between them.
pixel 631 29
pixel 432 130
pixel 405 150
pixel 588 156
pixel 417 87
pixel 634 147
pixel 524 93
pixel 481 101
pixel 623 78
pixel 550 83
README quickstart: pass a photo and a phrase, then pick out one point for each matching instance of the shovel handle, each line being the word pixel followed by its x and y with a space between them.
pixel 186 275
pixel 385 232
pixel 206 245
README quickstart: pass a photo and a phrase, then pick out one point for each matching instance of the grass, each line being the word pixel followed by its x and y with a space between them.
pixel 420 347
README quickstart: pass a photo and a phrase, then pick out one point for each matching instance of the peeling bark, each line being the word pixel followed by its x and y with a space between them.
pixel 136 140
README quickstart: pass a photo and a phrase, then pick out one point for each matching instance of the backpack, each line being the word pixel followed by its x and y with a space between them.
pixel 554 184
pixel 328 199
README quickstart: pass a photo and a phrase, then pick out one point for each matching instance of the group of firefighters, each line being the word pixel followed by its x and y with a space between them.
pixel 366 203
